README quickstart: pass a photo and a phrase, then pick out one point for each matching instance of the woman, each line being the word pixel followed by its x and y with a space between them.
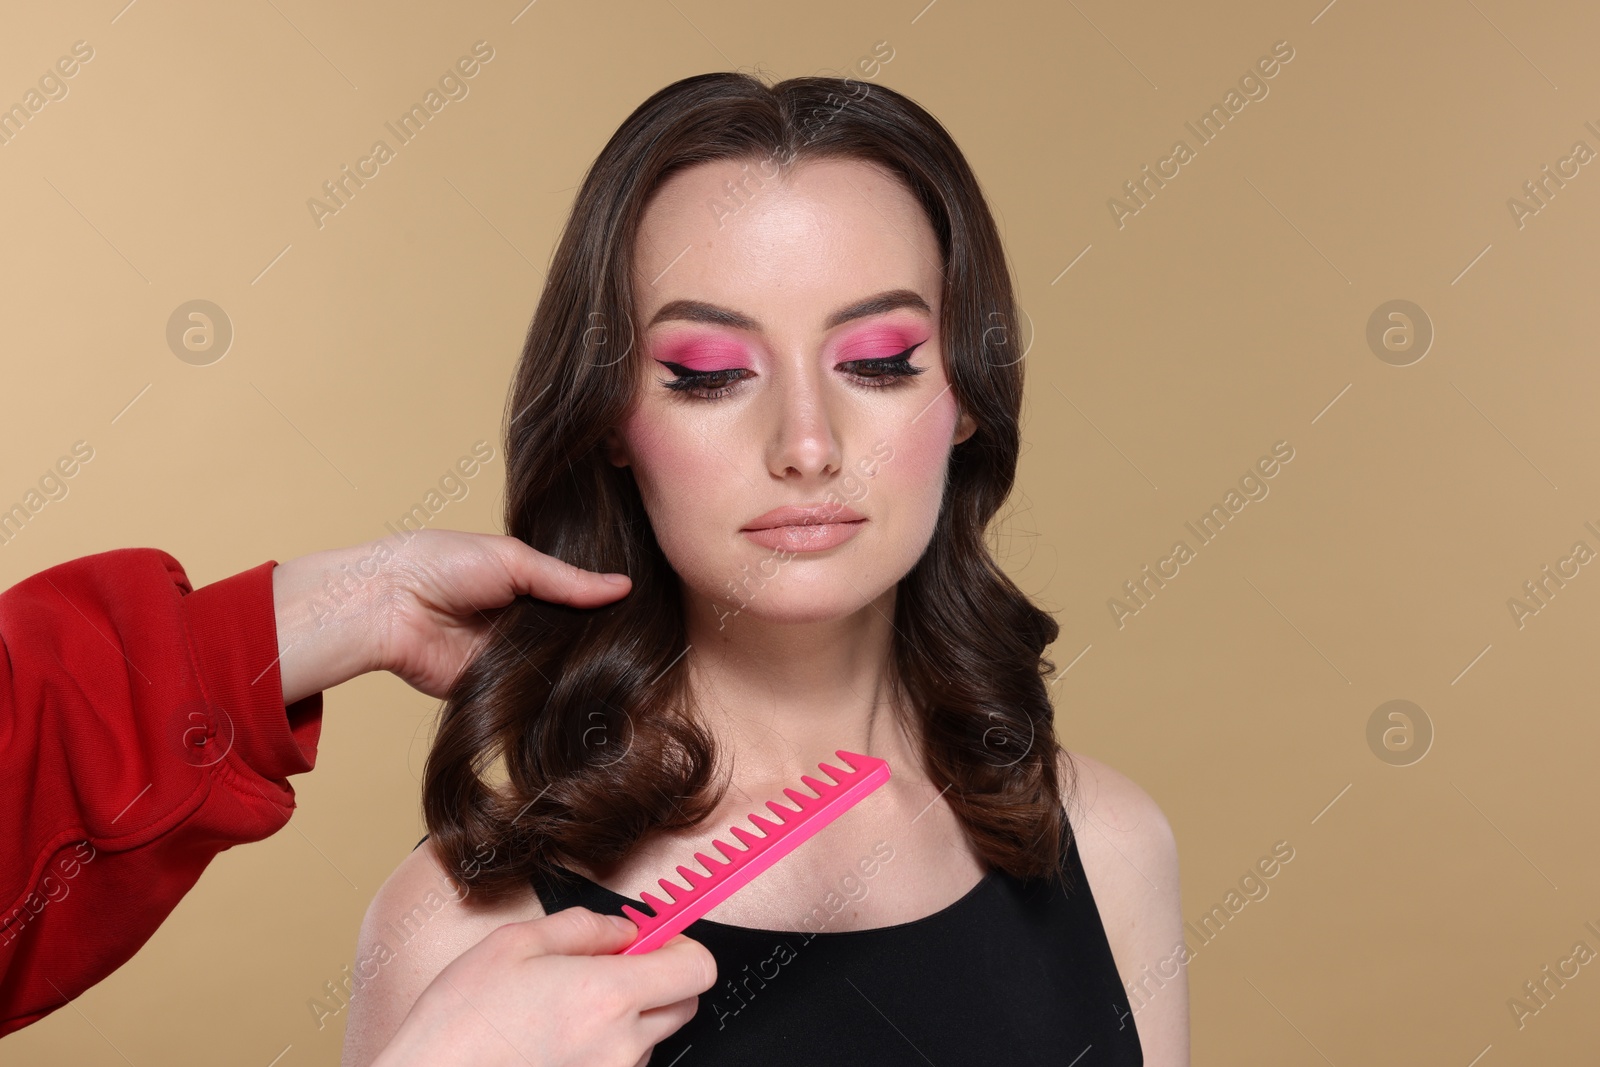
pixel 774 379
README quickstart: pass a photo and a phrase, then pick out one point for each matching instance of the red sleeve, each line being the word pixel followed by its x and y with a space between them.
pixel 142 731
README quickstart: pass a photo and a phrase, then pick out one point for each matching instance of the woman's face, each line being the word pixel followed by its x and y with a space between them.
pixel 798 317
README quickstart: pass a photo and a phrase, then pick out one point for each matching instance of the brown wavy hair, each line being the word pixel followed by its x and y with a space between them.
pixel 573 734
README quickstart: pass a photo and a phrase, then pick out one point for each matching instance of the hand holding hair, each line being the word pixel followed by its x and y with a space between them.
pixel 418 609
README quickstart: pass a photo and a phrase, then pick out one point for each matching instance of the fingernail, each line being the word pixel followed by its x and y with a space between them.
pixel 622 924
pixel 616 579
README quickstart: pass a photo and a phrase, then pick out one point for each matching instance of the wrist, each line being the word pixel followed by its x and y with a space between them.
pixel 322 603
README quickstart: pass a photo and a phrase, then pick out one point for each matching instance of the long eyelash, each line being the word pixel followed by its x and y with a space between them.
pixel 688 380
pixel 883 372
pixel 893 368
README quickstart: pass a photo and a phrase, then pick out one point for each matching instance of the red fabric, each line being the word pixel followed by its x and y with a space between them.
pixel 142 731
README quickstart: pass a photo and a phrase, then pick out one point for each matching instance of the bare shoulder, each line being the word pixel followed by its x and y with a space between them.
pixel 1130 857
pixel 419 921
pixel 1129 854
pixel 1107 808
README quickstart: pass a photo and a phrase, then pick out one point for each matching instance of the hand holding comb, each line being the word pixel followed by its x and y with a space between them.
pixel 741 866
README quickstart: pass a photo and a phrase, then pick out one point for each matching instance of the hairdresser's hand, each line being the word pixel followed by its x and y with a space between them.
pixel 546 993
pixel 415 608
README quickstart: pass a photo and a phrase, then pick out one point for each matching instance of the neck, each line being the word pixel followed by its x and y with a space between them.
pixel 782 697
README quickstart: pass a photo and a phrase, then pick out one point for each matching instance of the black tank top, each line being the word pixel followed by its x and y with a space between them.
pixel 1016 972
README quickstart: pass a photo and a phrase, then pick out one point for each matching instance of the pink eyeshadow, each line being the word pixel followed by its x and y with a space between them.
pixel 709 354
pixel 700 355
pixel 877 343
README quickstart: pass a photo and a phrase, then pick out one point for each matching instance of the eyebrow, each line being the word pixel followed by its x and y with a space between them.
pixel 700 311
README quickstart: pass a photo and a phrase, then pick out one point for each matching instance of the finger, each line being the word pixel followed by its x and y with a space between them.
pixel 657 1024
pixel 575 931
pixel 677 970
pixel 533 573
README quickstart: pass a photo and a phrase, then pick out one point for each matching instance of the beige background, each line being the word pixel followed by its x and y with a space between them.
pixel 1229 314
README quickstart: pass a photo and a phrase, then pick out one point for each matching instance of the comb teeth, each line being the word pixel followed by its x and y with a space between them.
pixel 693 877
pixel 725 877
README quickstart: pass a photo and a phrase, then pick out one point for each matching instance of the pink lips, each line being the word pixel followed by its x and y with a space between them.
pixel 809 528
pixel 806 515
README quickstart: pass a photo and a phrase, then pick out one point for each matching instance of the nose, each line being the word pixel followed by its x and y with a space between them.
pixel 804 439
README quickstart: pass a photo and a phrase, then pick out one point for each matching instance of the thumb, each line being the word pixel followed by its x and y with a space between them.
pixel 533 573
pixel 577 931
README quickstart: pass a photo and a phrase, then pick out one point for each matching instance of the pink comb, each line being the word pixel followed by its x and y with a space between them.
pixel 723 879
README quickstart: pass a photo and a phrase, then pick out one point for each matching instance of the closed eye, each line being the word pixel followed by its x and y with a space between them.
pixel 879 372
pixel 888 367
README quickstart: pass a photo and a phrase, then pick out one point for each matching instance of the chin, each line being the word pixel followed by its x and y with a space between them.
pixel 803 609
pixel 787 597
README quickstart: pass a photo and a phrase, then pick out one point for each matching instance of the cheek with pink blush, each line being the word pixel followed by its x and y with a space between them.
pixel 654 442
pixel 922 447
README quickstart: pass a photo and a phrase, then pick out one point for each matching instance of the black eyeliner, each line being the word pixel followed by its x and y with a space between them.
pixel 690 379
pixel 898 362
